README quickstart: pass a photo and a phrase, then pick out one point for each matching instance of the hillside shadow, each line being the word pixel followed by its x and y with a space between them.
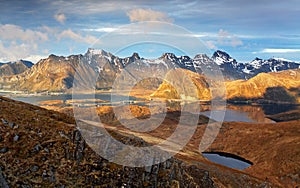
pixel 279 94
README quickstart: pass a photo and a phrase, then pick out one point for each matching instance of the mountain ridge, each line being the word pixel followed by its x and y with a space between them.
pixel 56 73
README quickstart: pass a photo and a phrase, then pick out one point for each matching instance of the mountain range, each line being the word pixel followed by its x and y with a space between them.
pixel 57 73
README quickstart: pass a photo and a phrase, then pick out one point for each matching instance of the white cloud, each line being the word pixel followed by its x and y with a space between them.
pixel 77 37
pixel 35 58
pixel 18 43
pixel 211 45
pixel 227 39
pixel 278 50
pixel 103 29
pixel 137 15
pixel 14 32
pixel 60 17
pixel 16 51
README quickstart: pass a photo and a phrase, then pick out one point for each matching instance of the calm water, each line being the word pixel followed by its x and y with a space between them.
pixel 230 162
pixel 238 113
pixel 250 113
pixel 35 100
pixel 230 115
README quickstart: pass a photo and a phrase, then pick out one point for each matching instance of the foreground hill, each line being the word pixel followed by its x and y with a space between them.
pixel 43 148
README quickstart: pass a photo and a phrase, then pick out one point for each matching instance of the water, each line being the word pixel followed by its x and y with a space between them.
pixel 35 100
pixel 230 115
pixel 228 160
pixel 233 113
pixel 250 113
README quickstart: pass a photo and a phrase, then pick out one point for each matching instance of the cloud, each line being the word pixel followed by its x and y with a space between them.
pixel 18 43
pixel 14 32
pixel 211 45
pixel 277 50
pixel 137 15
pixel 15 51
pixel 77 37
pixel 227 39
pixel 61 18
pixel 103 29
pixel 35 58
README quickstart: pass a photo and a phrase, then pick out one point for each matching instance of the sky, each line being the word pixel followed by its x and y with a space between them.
pixel 245 29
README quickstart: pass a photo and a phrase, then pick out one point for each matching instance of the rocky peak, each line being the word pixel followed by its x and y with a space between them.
pixel 201 57
pixel 221 57
pixel 168 56
pixel 221 54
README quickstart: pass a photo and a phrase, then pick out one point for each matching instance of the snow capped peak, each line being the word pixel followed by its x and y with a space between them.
pixel 93 51
pixel 221 54
pixel 221 57
pixel 201 56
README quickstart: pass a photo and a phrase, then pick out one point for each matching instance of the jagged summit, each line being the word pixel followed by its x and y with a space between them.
pixel 57 72
pixel 168 56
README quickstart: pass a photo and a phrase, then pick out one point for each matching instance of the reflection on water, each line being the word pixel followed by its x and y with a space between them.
pixel 241 113
pixel 238 113
pixel 35 100
pixel 230 115
pixel 228 160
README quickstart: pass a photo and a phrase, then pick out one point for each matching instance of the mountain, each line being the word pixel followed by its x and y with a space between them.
pixel 233 70
pixel 274 87
pixel 13 68
pixel 280 86
pixel 100 69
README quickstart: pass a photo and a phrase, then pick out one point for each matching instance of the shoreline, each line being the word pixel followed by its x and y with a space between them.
pixel 140 94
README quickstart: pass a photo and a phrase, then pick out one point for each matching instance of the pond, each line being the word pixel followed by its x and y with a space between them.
pixel 227 159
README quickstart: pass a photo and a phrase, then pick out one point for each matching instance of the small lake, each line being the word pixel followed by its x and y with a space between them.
pixel 230 115
pixel 228 160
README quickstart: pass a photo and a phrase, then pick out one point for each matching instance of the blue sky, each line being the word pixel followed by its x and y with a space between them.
pixel 245 29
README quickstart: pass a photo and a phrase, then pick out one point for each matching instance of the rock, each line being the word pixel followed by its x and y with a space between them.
pixel 34 168
pixel 11 125
pixel 4 150
pixel 4 121
pixel 3 182
pixel 46 150
pixel 52 174
pixel 44 175
pixel 37 148
pixel 16 138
